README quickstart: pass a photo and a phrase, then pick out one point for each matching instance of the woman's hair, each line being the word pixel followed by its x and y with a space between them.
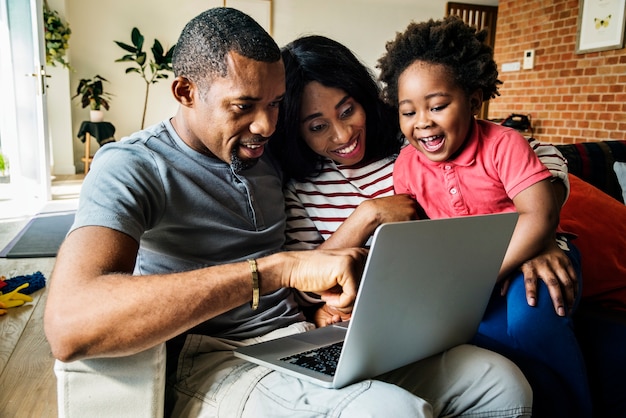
pixel 201 50
pixel 317 58
pixel 449 42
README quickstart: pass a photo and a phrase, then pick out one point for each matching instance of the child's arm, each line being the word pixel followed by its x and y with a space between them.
pixel 535 229
pixel 360 225
pixel 553 266
pixel 533 235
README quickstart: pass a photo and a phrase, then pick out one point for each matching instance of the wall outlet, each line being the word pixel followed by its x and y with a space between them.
pixel 529 59
pixel 510 66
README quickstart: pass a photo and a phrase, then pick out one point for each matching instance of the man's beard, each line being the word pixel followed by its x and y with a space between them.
pixel 238 165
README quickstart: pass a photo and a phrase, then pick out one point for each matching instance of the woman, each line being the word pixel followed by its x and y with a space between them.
pixel 337 143
pixel 350 86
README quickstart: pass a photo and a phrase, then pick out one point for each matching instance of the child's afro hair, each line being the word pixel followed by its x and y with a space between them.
pixel 450 42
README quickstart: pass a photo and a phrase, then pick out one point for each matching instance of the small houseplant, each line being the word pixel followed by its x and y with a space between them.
pixel 92 94
pixel 57 35
pixel 151 71
pixel 4 168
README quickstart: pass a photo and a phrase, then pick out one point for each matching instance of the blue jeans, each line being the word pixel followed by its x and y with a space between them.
pixel 542 344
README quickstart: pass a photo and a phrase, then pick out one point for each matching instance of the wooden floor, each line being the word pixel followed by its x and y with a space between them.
pixel 27 381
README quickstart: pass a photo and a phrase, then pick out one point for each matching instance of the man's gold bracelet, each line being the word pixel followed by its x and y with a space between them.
pixel 255 284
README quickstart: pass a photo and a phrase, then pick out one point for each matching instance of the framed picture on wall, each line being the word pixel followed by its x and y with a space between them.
pixel 600 25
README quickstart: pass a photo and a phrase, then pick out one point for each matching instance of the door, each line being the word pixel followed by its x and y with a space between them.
pixel 480 17
pixel 24 132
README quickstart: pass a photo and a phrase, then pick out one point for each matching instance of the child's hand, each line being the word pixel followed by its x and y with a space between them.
pixel 556 270
pixel 327 315
pixel 396 208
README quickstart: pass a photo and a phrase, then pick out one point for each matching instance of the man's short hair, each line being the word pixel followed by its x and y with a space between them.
pixel 206 40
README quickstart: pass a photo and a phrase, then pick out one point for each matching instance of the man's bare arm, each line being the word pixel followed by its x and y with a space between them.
pixel 96 308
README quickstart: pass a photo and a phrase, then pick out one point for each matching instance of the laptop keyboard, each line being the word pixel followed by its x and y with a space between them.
pixel 323 359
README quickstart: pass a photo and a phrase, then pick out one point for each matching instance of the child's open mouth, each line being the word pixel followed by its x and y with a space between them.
pixel 433 143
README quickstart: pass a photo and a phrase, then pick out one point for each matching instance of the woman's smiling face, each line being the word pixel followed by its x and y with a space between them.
pixel 333 124
pixel 435 113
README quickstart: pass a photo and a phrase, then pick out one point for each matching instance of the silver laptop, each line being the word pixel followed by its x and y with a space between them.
pixel 424 289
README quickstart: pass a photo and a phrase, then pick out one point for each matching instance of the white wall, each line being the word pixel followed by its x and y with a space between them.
pixel 95 26
pixel 59 111
pixel 60 121
pixel 363 25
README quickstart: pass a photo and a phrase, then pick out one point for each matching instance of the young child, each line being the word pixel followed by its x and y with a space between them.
pixel 438 74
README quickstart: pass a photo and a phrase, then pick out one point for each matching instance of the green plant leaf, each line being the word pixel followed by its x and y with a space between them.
pixel 157 50
pixel 137 38
pixel 126 47
pixel 56 34
pixel 151 71
pixel 126 58
pixel 91 92
pixel 170 54
pixel 141 59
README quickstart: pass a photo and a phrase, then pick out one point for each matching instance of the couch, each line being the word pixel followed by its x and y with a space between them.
pixel 600 223
pixel 134 386
pixel 593 163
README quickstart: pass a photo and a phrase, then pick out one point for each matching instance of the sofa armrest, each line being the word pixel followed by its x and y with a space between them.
pixel 132 386
pixel 593 163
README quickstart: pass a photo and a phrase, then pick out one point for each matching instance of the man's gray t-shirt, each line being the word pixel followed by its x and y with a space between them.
pixel 190 211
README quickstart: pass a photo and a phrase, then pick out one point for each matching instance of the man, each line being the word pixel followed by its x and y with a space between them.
pixel 175 217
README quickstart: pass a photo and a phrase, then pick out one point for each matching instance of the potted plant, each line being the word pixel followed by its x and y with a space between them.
pixel 57 35
pixel 4 168
pixel 150 70
pixel 92 94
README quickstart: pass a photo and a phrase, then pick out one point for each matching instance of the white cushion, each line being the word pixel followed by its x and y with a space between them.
pixel 620 171
pixel 132 386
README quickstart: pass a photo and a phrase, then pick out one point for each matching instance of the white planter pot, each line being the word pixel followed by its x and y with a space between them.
pixel 96 115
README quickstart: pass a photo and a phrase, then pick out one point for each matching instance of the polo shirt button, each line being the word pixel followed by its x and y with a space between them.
pixel 452 191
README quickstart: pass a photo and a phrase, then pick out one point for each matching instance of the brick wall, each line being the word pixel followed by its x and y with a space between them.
pixel 570 97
